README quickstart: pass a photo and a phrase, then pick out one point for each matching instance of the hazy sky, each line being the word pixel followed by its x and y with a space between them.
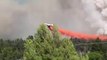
pixel 20 18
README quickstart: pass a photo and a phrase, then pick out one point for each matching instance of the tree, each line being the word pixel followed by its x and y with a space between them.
pixel 47 45
pixel 11 49
pixel 95 56
pixel 98 50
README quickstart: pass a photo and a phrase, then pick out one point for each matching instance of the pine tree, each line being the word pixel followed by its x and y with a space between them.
pixel 48 45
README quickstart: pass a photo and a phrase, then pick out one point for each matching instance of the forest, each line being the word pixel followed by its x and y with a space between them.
pixel 50 45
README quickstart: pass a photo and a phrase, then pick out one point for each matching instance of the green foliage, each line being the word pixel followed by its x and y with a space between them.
pixel 98 50
pixel 84 57
pixel 48 45
pixel 95 56
pixel 11 49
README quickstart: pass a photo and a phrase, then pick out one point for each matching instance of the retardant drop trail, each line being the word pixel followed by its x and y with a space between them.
pixel 81 36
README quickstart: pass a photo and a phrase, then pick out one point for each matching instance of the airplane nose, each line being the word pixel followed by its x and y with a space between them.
pixel 50 26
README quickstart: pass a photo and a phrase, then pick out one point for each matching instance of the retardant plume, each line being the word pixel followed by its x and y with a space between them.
pixel 20 18
pixel 78 35
pixel 82 36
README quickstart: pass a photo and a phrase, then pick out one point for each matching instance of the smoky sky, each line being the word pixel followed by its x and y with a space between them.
pixel 20 18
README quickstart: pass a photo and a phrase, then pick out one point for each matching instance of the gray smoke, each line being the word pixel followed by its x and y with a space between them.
pixel 96 14
pixel 20 18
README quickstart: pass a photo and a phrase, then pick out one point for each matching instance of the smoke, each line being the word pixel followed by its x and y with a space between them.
pixel 96 14
pixel 20 18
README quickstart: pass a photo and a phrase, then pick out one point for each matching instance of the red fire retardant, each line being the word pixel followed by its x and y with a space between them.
pixel 81 36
